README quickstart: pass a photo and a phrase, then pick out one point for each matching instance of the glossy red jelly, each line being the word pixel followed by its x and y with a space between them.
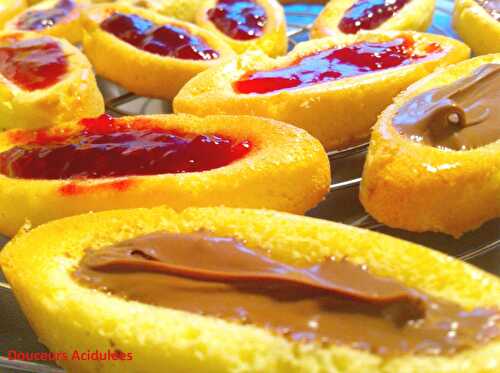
pixel 369 14
pixel 164 40
pixel 32 63
pixel 238 19
pixel 106 148
pixel 331 64
pixel 40 19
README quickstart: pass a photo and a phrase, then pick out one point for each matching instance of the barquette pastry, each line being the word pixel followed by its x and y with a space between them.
pixel 229 290
pixel 434 157
pixel 332 87
pixel 60 18
pixel 478 24
pixel 144 161
pixel 154 49
pixel 351 16
pixel 44 81
pixel 247 24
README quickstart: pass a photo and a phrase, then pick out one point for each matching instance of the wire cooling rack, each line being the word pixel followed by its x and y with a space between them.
pixel 480 247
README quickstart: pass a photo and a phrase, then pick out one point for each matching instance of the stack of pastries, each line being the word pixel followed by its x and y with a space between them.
pixel 175 242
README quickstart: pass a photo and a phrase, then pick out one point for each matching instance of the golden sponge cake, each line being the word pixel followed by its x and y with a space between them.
pixel 418 187
pixel 68 316
pixel 142 72
pixel 71 95
pixel 476 26
pixel 414 15
pixel 284 168
pixel 64 16
pixel 338 112
pixel 273 41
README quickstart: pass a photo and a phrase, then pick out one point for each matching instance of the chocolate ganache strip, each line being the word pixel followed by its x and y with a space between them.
pixel 462 115
pixel 333 302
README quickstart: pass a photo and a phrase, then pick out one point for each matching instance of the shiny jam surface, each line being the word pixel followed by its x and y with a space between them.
pixel 333 64
pixel 369 14
pixel 163 40
pixel 107 147
pixel 239 19
pixel 32 63
pixel 40 19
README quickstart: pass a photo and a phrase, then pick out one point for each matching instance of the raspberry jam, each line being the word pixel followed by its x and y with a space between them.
pixel 40 19
pixel 76 187
pixel 238 19
pixel 32 63
pixel 369 14
pixel 107 147
pixel 163 40
pixel 331 64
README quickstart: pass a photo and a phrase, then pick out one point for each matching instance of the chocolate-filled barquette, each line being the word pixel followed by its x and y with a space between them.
pixel 235 290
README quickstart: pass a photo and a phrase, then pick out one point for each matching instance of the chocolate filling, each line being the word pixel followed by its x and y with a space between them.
pixel 462 115
pixel 492 7
pixel 334 302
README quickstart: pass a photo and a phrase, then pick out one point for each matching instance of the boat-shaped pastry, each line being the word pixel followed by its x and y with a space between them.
pixel 9 9
pixel 434 157
pixel 230 290
pixel 351 16
pixel 175 160
pixel 333 87
pixel 478 24
pixel 247 24
pixel 60 18
pixel 44 81
pixel 157 54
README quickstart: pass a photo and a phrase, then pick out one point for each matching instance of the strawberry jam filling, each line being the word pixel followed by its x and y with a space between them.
pixel 32 63
pixel 163 40
pixel 40 19
pixel 333 64
pixel 107 147
pixel 238 19
pixel 369 14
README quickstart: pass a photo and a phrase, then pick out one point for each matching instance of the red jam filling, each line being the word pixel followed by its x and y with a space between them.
pixel 369 14
pixel 108 148
pixel 238 19
pixel 332 64
pixel 32 63
pixel 44 18
pixel 164 40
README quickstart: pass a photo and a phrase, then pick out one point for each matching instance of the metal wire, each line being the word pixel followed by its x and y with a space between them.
pixel 483 250
pixel 348 152
pixel 122 99
pixel 4 285
pixel 366 222
pixel 26 366
pixel 345 184
pixel 112 104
